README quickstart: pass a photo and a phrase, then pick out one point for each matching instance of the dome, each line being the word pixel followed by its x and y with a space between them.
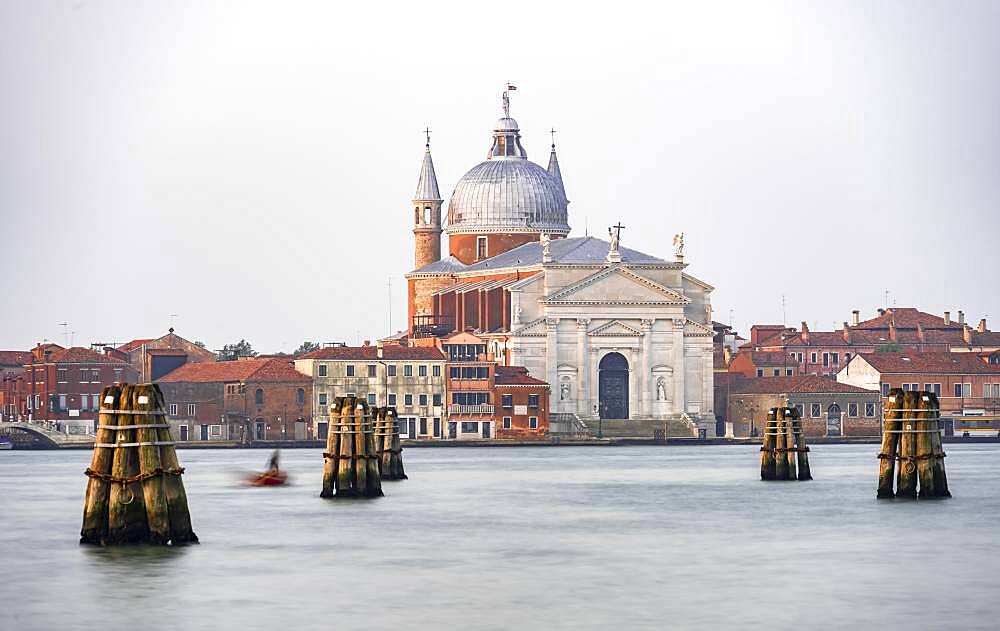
pixel 510 194
pixel 507 192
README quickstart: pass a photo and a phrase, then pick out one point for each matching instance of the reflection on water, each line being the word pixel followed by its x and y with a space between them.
pixel 499 538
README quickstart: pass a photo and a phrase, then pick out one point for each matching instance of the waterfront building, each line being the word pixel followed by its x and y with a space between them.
pixel 896 328
pixel 11 382
pixel 490 400
pixel 155 357
pixel 61 387
pixel 967 384
pixel 243 400
pixel 620 335
pixel 409 378
pixel 827 407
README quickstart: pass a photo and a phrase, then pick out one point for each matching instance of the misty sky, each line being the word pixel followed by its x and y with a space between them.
pixel 249 166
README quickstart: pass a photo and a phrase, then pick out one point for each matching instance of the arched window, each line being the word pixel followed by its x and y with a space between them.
pixel 258 396
pixel 427 215
pixel 300 396
pixel 416 215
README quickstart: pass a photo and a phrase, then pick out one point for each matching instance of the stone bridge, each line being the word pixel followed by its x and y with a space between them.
pixel 33 436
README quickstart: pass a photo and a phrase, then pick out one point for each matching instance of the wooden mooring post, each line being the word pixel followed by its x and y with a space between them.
pixel 351 467
pixel 784 454
pixel 912 437
pixel 387 445
pixel 135 493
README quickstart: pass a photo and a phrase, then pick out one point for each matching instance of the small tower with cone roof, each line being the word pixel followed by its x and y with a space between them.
pixel 427 213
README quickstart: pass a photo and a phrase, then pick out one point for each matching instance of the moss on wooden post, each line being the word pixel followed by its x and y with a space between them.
pixel 767 447
pixel 906 480
pixel 95 505
pixel 891 425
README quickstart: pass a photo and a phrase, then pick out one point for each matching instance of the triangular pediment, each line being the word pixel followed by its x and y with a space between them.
pixel 692 328
pixel 615 328
pixel 617 285
pixel 534 328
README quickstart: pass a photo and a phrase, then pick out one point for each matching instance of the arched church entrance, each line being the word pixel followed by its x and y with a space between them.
pixel 613 386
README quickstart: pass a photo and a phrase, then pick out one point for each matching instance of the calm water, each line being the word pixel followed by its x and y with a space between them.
pixel 582 538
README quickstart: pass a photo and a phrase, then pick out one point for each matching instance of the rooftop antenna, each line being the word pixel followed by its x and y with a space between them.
pixel 586 226
pixel 389 291
pixel 72 335
pixel 732 320
pixel 784 315
pixel 65 332
pixel 885 302
pixel 173 316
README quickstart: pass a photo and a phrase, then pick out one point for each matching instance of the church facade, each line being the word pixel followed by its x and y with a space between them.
pixel 623 338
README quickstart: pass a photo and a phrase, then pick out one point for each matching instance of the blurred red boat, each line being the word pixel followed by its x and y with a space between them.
pixel 269 478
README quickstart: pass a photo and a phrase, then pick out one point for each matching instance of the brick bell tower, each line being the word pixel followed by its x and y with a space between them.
pixel 427 213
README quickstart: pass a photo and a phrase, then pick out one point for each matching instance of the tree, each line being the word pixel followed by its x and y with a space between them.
pixel 200 344
pixel 306 347
pixel 235 351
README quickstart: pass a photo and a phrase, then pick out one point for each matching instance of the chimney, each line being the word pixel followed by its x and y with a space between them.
pixel 982 326
pixel 727 354
pixel 892 330
pixel 947 318
pixel 881 312
pixel 967 333
pixel 961 317
pixel 921 336
pixel 855 317
pixel 847 331
pixel 805 333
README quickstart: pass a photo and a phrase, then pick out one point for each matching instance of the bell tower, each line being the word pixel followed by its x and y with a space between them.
pixel 427 212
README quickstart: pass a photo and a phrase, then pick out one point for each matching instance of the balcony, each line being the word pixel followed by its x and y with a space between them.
pixel 481 409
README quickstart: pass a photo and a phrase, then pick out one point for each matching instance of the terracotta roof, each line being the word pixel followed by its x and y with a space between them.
pixel 932 363
pixel 798 384
pixel 989 338
pixel 15 358
pixel 907 318
pixel 80 355
pixel 370 353
pixel 516 376
pixel 239 370
pixel 134 344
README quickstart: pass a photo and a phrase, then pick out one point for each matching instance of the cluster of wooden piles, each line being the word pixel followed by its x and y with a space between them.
pixel 784 454
pixel 912 436
pixel 351 465
pixel 135 493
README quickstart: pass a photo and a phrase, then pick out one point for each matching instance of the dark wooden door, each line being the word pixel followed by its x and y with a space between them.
pixel 613 386
pixel 204 432
pixel 184 432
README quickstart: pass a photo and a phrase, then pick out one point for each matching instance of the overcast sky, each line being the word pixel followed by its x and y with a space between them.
pixel 249 166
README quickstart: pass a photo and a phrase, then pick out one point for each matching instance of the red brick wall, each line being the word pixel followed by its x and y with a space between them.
pixel 47 377
pixel 519 422
pixel 463 246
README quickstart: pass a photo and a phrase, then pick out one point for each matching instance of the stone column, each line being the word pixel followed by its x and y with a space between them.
pixel 634 382
pixel 678 355
pixel 552 360
pixel 595 380
pixel 582 368
pixel 646 391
